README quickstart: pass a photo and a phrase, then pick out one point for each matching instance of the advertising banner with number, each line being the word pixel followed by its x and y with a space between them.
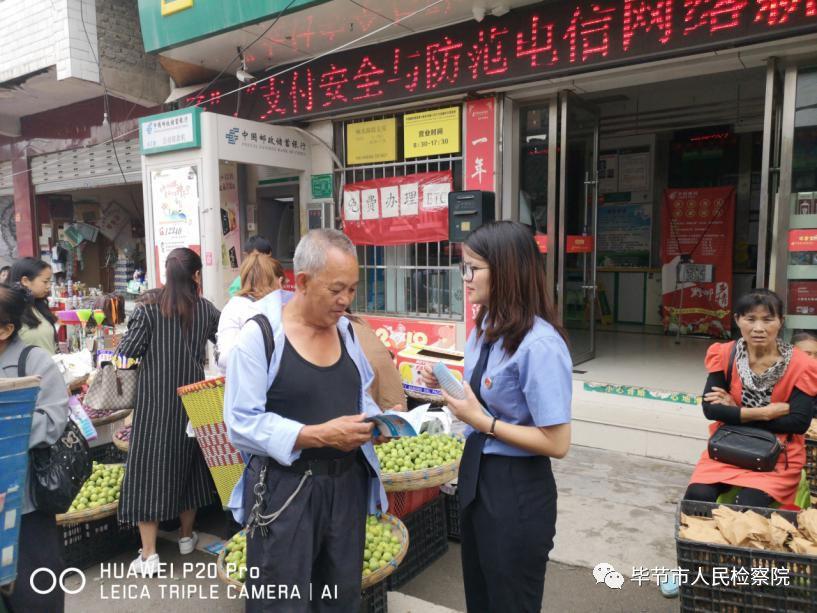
pixel 396 334
pixel 398 210
pixel 698 224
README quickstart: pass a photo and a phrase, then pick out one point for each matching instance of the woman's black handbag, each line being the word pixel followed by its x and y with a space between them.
pixel 744 446
pixel 59 470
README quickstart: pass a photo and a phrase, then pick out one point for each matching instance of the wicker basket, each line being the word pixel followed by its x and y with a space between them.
pixel 79 517
pixel 113 417
pixel 398 529
pixel 420 479
pixel 86 515
pixel 121 445
pixel 204 404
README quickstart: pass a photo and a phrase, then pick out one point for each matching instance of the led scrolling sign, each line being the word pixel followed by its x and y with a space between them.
pixel 543 41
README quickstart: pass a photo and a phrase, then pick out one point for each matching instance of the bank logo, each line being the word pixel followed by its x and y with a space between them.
pixel 232 135
pixel 55 581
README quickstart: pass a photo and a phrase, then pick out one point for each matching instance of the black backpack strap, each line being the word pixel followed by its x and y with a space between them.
pixel 21 363
pixel 266 332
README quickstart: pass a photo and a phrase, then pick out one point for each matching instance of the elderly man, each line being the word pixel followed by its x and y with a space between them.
pixel 296 401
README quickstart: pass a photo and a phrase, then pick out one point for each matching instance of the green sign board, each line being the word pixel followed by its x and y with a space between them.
pixel 170 131
pixel 322 186
pixel 171 23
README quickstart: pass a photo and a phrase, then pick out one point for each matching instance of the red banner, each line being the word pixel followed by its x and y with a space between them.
pixel 802 240
pixel 579 244
pixel 698 223
pixel 479 145
pixel 398 210
pixel 396 333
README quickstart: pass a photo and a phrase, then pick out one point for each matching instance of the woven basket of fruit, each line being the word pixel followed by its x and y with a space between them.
pixel 121 439
pixel 418 462
pixel 387 542
pixel 98 497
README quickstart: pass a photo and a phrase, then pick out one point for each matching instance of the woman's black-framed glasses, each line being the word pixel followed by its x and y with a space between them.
pixel 468 271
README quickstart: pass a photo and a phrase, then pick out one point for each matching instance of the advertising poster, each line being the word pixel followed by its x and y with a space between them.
pixel 396 334
pixel 398 210
pixel 175 198
pixel 230 226
pixel 698 223
pixel 625 233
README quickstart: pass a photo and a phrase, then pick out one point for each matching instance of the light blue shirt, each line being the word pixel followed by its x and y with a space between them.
pixel 254 430
pixel 533 387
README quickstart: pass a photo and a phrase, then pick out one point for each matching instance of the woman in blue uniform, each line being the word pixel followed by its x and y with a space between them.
pixel 517 407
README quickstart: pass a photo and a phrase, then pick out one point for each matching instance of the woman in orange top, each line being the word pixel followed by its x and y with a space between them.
pixel 773 386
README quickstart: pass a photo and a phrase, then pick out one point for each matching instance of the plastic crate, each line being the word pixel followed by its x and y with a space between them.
pixel 11 509
pixel 428 541
pixel 811 465
pixel 375 599
pixel 403 503
pixel 108 454
pixel 701 558
pixel 96 541
pixel 452 512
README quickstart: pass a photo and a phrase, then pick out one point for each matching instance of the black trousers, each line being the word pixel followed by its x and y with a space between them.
pixel 706 492
pixel 316 544
pixel 39 547
pixel 507 535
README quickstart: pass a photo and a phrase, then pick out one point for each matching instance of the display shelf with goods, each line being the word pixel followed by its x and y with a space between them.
pixel 802 207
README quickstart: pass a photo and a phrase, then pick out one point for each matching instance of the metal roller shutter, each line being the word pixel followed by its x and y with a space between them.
pixel 88 167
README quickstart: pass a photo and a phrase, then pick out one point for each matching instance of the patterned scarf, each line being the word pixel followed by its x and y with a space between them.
pixel 757 388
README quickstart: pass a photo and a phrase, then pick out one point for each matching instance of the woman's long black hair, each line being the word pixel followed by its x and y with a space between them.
pixel 13 304
pixel 518 292
pixel 31 269
pixel 181 292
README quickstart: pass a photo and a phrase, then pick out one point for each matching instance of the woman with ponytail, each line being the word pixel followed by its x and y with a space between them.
pixel 166 475
pixel 34 278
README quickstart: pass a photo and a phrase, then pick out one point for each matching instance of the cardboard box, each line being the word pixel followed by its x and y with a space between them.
pixel 411 360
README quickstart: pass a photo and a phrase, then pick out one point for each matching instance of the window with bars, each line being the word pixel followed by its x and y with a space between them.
pixel 421 279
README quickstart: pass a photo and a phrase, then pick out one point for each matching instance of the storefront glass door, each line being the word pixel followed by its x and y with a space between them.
pixel 578 202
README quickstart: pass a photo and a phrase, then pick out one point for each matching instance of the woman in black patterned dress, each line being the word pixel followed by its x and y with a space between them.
pixel 166 475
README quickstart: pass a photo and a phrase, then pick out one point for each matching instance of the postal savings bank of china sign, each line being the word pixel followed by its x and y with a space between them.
pixel 544 40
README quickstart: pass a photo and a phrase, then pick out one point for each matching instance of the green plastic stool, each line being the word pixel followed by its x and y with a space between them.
pixel 802 499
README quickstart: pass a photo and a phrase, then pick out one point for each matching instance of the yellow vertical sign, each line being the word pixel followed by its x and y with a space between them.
pixel 368 142
pixel 431 132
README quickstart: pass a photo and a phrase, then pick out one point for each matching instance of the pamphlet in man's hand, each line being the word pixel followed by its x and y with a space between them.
pixel 399 423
